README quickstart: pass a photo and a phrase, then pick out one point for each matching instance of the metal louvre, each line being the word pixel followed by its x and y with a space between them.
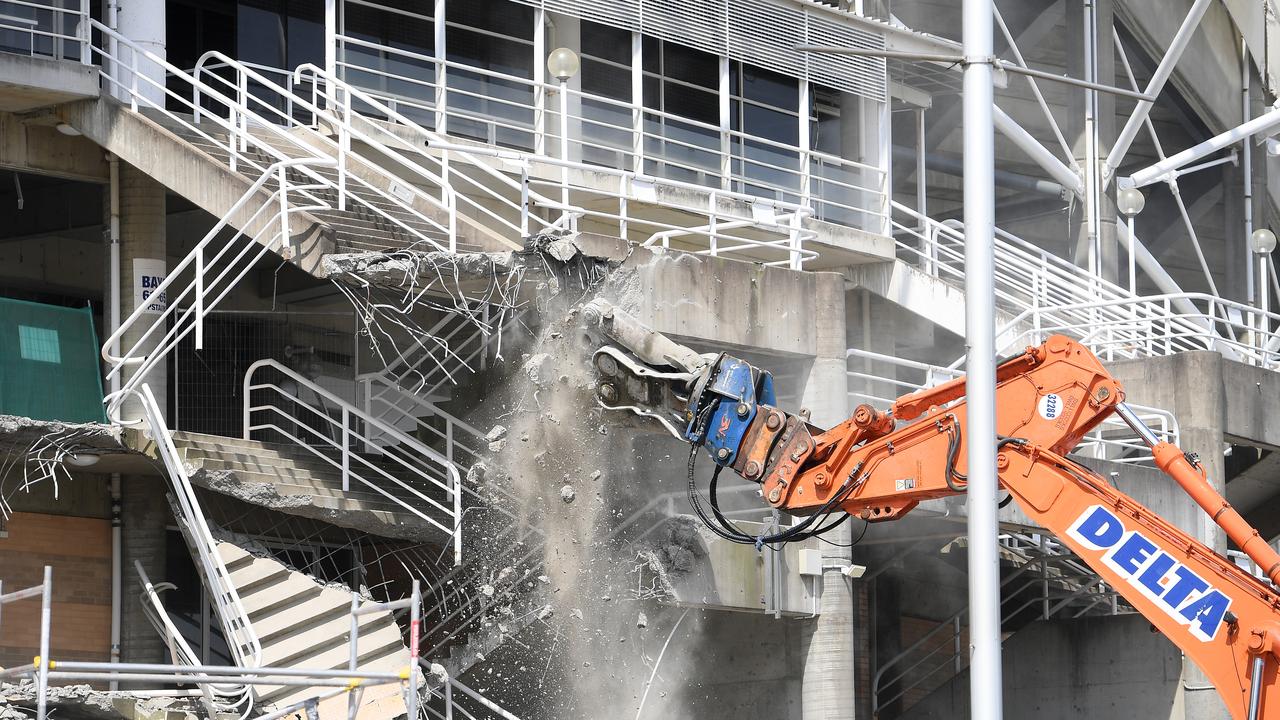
pixel 623 14
pixel 859 75
pixel 700 24
pixel 763 33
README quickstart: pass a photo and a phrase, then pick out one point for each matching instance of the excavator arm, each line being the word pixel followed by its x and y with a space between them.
pixel 878 465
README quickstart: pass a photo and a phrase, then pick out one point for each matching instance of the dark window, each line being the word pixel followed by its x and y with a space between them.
pixel 496 16
pixel 606 43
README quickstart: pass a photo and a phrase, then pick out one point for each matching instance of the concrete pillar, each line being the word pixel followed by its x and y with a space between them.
pixel 1190 385
pixel 828 690
pixel 145 514
pixel 864 137
pixel 143 23
pixel 142 263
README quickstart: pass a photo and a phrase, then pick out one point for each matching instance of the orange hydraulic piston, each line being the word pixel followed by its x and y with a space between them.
pixel 1173 461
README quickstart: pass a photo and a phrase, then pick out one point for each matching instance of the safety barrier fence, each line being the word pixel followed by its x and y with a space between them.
pixel 879 379
pixel 1049 582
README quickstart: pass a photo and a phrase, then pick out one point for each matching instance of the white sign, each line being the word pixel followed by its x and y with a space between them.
pixel 1050 406
pixel 148 274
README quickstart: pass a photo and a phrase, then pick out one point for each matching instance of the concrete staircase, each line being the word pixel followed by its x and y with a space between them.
pixel 305 624
pixel 301 481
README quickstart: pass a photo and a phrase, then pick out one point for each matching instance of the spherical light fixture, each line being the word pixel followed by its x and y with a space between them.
pixel 83 459
pixel 1130 201
pixel 563 64
pixel 1263 241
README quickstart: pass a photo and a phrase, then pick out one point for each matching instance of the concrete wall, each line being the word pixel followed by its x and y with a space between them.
pixel 1105 667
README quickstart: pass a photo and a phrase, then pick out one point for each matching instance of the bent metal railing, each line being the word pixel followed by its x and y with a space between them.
pixel 242 641
pixel 416 470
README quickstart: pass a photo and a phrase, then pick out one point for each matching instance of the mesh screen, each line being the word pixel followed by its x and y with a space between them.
pixel 49 362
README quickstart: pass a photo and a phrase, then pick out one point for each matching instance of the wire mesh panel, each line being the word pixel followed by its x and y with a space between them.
pixel 208 383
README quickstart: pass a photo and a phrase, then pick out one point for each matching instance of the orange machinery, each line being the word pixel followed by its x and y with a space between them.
pixel 878 465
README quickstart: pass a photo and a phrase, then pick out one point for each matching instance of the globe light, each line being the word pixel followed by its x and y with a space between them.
pixel 1263 241
pixel 1130 201
pixel 563 64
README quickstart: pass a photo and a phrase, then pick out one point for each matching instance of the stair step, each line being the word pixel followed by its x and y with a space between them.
pixel 300 647
pixel 285 617
pixel 261 573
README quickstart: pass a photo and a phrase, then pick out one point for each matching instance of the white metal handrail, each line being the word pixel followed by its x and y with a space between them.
pixel 200 281
pixel 242 641
pixel 227 698
pixel 244 135
pixel 721 147
pixel 342 98
pixel 52 29
pixel 840 189
pixel 350 430
pixel 256 109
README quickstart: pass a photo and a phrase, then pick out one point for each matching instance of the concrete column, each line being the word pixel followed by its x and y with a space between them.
pixel 864 128
pixel 828 690
pixel 142 263
pixel 143 23
pixel 1189 385
pixel 145 514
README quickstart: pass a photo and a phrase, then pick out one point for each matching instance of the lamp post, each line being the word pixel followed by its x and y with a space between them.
pixel 1130 202
pixel 563 64
pixel 1263 241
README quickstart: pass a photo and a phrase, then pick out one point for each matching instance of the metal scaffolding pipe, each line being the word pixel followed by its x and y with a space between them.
pixel 1154 86
pixel 1058 170
pixel 1170 165
pixel 985 692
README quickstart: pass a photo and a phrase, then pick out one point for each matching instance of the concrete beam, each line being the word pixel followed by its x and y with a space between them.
pixel 40 149
pixel 31 83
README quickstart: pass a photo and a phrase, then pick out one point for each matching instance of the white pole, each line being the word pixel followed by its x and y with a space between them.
pixel 1154 86
pixel 985 699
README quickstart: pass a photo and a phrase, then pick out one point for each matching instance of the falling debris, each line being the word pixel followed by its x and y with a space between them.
pixel 642 621
pixel 567 494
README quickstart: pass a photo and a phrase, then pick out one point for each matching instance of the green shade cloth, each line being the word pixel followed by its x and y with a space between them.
pixel 49 363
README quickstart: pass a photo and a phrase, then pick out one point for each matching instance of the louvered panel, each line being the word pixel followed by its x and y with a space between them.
pixel 859 75
pixel 623 14
pixel 700 24
pixel 765 34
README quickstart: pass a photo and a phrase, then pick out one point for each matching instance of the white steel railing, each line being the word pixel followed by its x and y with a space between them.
pixel 200 281
pixel 218 698
pixel 885 378
pixel 336 441
pixel 57 29
pixel 627 152
pixel 1047 294
pixel 242 641
pixel 760 229
pixel 252 132
pixel 504 109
